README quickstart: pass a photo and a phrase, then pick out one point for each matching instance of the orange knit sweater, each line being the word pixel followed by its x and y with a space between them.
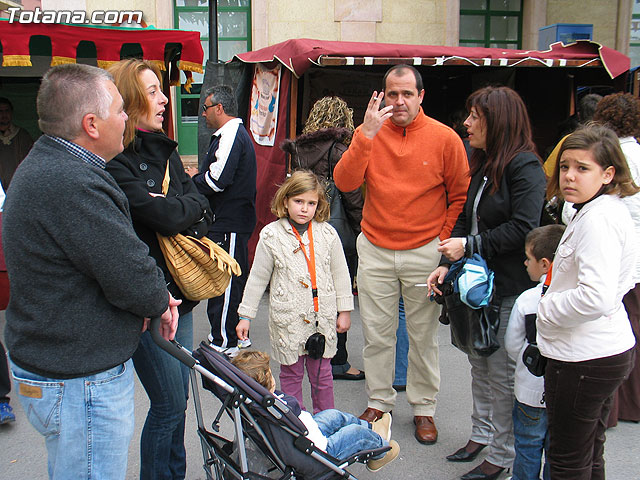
pixel 417 179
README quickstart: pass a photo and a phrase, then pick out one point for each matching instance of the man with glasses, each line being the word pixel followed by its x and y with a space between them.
pixel 228 180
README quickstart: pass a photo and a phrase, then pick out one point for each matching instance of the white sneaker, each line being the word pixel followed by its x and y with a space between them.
pixel 228 351
pixel 382 426
pixel 390 456
pixel 244 343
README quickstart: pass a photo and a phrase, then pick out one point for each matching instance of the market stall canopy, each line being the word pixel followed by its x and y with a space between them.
pixel 299 54
pixel 109 41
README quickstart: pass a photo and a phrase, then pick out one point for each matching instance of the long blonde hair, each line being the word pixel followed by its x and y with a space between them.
pixel 126 76
pixel 301 181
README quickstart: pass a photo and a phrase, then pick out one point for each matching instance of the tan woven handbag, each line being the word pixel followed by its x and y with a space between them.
pixel 199 266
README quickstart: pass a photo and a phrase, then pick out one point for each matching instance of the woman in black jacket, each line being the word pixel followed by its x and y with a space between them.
pixel 509 175
pixel 140 170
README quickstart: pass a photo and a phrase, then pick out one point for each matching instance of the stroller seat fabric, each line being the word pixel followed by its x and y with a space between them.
pixel 270 440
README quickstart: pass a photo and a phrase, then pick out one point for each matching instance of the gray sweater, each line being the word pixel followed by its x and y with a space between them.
pixel 81 280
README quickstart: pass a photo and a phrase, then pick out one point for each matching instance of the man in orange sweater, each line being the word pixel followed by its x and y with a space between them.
pixel 416 173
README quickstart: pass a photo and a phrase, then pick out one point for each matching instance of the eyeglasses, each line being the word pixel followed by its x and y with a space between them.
pixel 206 107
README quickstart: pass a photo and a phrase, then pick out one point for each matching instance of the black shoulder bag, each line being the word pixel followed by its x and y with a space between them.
pixel 338 216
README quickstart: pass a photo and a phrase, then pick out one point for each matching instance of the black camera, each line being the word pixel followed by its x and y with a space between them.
pixel 535 362
pixel 532 358
pixel 199 228
pixel 315 345
pixel 446 289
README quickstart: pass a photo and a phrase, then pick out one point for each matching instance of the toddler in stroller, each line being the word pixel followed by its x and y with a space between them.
pixel 338 433
pixel 270 441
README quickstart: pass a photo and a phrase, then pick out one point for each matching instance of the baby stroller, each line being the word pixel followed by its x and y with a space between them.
pixel 269 441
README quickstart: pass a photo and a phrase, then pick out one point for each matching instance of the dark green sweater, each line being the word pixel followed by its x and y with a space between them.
pixel 81 280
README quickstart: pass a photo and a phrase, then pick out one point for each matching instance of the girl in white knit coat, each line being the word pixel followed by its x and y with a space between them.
pixel 294 249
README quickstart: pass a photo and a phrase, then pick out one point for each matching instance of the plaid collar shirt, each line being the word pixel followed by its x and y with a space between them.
pixel 80 152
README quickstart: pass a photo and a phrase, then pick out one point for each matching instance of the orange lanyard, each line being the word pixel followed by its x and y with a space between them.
pixel 547 281
pixel 311 263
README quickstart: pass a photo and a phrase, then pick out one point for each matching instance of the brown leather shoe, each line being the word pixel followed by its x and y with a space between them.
pixel 371 415
pixel 426 431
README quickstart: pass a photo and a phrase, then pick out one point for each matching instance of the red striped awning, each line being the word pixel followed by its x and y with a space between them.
pixel 299 54
pixel 15 38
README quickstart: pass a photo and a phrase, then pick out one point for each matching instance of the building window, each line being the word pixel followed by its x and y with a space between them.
pixel 234 36
pixel 634 46
pixel 491 23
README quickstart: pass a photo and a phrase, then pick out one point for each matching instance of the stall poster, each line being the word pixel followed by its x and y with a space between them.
pixel 265 95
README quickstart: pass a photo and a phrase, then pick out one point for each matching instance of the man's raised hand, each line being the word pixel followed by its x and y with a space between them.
pixel 374 117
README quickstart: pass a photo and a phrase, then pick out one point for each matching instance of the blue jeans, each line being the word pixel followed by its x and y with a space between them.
pixel 166 381
pixel 402 347
pixel 87 422
pixel 347 434
pixel 531 439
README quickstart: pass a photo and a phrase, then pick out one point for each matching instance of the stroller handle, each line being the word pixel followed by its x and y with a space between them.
pixel 173 348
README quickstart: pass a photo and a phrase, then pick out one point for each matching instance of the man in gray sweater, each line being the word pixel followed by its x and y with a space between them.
pixel 82 283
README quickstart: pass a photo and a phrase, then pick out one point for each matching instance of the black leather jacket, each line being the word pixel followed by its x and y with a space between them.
pixel 504 219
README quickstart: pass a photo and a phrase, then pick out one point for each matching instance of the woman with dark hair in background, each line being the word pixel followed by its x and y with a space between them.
pixel 508 187
pixel 621 113
pixel 140 170
pixel 457 120
pixel 325 137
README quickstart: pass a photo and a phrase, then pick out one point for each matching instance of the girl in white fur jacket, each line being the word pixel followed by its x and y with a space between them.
pixel 300 257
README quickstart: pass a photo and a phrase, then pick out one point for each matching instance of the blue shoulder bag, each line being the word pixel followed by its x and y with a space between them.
pixel 473 280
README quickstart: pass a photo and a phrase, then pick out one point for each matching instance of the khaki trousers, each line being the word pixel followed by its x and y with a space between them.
pixel 384 275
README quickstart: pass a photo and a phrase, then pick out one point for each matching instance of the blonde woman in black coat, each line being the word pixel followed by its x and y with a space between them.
pixel 140 170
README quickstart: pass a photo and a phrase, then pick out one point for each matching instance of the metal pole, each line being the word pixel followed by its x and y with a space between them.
pixel 213 30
